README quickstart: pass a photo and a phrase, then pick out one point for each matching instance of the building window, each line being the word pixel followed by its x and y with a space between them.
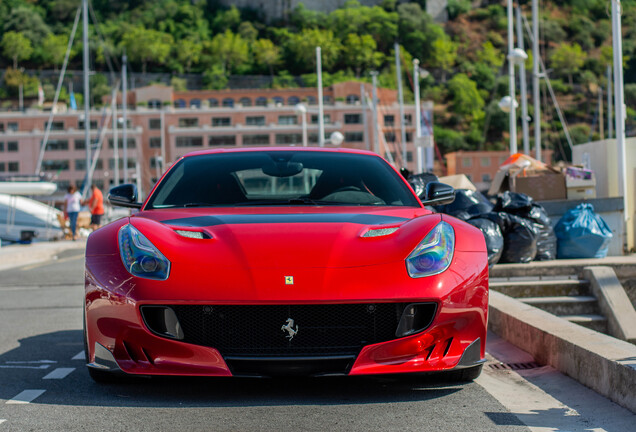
pixel 485 177
pixel 353 99
pixel 180 103
pixel 195 103
pixel 12 126
pixel 354 136
pixel 154 103
pixel 1 127
pixel 13 166
pixel 222 140
pixel 228 103
pixel 467 162
pixel 255 120
pixel 293 100
pixel 2 167
pixel 389 137
pixel 327 117
pixel 326 99
pixel 389 120
pixel 155 142
pixel 408 119
pixel 131 143
pixel 132 163
pixel 213 103
pixel 1 146
pixel 311 100
pixel 409 156
pixel 245 101
pixel 261 101
pixel 353 118
pixel 93 124
pixel 255 139
pixel 190 141
pixel 221 121
pixel 80 164
pixel 154 123
pixel 288 138
pixel 55 165
pixel 287 120
pixel 80 145
pixel 278 101
pixel 485 162
pixel 188 122
pixel 12 146
pixel 154 162
pixel 57 145
pixel 55 126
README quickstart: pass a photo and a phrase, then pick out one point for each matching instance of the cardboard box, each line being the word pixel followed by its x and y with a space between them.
pixel 541 187
pixel 578 188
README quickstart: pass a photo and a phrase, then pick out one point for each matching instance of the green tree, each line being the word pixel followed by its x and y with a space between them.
pixel 188 51
pixel 27 20
pixel 16 46
pixel 214 78
pixel 247 31
pixel 227 20
pixel 302 48
pixel 360 53
pixel 568 59
pixel 417 31
pixel 266 54
pixel 147 45
pixel 490 55
pixel 443 55
pixel 375 21
pixel 464 97
pixel 53 49
pixel 229 50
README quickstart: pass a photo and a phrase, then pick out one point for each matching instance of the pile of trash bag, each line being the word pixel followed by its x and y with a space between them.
pixel 582 234
pixel 516 229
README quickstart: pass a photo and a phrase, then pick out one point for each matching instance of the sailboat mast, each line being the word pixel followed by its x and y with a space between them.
pixel 87 119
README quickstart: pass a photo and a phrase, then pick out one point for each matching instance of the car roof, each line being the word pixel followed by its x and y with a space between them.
pixel 278 148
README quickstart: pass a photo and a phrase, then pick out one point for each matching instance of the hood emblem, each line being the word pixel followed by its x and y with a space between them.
pixel 289 280
pixel 289 328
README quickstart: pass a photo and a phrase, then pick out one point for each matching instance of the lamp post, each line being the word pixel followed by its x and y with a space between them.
pixel 508 103
pixel 302 110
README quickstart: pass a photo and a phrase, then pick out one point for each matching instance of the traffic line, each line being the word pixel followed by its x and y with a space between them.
pixel 79 356
pixel 59 373
pixel 2 421
pixel 24 367
pixel 25 397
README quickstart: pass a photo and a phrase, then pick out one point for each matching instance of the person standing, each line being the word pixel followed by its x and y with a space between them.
pixel 96 207
pixel 72 202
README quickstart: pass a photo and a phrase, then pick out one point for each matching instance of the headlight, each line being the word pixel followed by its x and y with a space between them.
pixel 140 257
pixel 434 254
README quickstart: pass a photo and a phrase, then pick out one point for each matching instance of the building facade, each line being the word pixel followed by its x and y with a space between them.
pixel 164 124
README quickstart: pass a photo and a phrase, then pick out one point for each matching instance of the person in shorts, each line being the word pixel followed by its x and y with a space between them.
pixel 96 206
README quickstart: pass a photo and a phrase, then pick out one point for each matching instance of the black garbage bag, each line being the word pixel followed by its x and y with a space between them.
pixel 522 205
pixel 419 181
pixel 520 237
pixel 468 203
pixel 492 234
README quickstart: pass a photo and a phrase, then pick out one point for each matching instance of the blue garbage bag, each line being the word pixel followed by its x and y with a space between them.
pixel 581 233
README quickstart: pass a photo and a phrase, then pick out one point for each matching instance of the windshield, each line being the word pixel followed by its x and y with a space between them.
pixel 281 178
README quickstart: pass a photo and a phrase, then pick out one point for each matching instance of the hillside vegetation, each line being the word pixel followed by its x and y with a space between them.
pixel 465 57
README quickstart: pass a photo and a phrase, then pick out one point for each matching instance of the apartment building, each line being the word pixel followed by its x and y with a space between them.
pixel 164 124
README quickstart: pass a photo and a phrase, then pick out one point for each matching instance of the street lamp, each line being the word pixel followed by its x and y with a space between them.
pixel 336 138
pixel 302 110
pixel 507 103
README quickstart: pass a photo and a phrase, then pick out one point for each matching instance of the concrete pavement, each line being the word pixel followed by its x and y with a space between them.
pixel 17 255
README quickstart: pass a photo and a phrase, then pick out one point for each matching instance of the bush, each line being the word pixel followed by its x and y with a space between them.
pixel 457 7
pixel 449 140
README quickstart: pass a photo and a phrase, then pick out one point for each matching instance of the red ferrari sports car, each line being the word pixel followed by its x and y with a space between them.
pixel 274 261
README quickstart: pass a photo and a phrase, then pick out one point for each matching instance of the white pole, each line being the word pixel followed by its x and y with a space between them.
pixel 610 126
pixel 536 98
pixel 365 129
pixel 21 98
pixel 304 121
pixel 511 84
pixel 87 118
pixel 374 96
pixel 398 72
pixel 418 119
pixel 162 119
pixel 124 97
pixel 321 113
pixel 620 105
pixel 522 84
pixel 115 136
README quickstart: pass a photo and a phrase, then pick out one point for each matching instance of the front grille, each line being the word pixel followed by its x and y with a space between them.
pixel 256 330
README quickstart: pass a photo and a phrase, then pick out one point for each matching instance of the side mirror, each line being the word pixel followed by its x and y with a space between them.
pixel 124 196
pixel 437 193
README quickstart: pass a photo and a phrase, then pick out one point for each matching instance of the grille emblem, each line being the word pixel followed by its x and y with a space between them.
pixel 289 328
pixel 289 280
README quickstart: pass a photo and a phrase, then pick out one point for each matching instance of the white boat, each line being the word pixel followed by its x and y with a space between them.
pixel 24 219
pixel 26 185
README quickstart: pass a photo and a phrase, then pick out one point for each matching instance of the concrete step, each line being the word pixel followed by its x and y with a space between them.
pixel 592 321
pixel 537 269
pixel 564 305
pixel 533 287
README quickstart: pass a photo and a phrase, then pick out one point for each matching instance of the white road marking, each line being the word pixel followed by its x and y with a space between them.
pixel 2 421
pixel 31 362
pixel 59 373
pixel 27 396
pixel 24 367
pixel 79 356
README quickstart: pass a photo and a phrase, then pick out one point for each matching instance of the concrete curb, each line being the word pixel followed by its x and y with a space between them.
pixel 613 301
pixel 604 364
pixel 21 255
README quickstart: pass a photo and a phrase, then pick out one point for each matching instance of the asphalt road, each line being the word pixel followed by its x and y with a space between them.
pixel 44 384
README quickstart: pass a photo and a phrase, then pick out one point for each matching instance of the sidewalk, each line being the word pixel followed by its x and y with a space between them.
pixel 17 255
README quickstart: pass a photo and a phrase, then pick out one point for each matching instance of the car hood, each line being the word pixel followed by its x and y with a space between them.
pixel 282 238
